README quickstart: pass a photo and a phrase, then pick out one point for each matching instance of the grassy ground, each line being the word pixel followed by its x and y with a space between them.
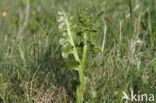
pixel 31 67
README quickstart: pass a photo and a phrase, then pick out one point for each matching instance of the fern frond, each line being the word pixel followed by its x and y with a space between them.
pixel 69 52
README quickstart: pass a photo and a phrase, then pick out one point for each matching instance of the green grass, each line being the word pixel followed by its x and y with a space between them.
pixel 31 66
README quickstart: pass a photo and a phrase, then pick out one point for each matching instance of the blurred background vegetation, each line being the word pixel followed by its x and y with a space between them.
pixel 32 70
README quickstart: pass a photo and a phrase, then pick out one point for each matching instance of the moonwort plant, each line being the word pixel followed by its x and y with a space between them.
pixel 76 42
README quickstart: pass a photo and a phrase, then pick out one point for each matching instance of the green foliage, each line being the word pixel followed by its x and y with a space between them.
pixel 75 40
pixel 72 38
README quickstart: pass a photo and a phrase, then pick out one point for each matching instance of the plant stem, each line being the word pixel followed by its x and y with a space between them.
pixel 80 89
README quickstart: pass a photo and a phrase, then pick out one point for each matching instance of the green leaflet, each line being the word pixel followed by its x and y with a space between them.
pixel 71 63
pixel 93 47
